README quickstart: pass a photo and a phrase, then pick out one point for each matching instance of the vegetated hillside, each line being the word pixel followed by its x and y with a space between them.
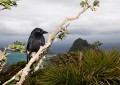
pixel 88 68
pixel 12 70
pixel 80 44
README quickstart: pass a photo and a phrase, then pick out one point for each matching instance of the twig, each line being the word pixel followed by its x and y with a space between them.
pixel 24 72
pixel 46 46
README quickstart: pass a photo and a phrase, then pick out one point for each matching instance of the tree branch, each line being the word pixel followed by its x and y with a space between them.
pixel 24 72
pixel 47 45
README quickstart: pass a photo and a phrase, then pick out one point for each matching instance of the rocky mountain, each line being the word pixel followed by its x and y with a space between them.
pixel 79 45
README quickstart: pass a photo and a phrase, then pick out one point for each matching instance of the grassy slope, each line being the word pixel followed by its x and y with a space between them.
pixel 75 68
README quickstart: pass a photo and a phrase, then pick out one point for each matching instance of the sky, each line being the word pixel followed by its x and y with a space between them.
pixel 104 24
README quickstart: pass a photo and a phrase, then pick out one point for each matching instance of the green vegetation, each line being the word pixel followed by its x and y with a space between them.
pixel 63 33
pixel 82 45
pixel 93 7
pixel 12 70
pixel 96 3
pixel 75 68
pixel 89 68
pixel 17 46
pixel 86 67
pixel 97 44
pixel 7 4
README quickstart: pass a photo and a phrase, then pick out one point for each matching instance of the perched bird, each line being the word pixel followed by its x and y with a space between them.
pixel 35 40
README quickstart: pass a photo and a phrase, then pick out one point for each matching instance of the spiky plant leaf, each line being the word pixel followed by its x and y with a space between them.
pixel 94 68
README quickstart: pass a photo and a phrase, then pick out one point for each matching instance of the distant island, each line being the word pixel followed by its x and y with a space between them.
pixel 80 44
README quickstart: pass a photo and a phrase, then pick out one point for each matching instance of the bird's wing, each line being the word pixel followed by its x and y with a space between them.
pixel 29 43
pixel 43 41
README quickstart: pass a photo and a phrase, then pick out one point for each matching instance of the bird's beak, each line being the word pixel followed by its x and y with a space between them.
pixel 45 32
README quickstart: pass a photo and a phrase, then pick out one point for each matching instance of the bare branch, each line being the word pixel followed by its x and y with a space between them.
pixel 47 45
pixel 24 72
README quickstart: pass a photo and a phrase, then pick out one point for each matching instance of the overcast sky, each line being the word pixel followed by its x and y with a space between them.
pixel 47 14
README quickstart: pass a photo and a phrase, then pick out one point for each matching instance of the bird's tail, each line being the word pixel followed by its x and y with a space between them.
pixel 28 56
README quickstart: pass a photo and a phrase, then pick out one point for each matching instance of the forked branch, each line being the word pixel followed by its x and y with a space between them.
pixel 24 72
pixel 47 45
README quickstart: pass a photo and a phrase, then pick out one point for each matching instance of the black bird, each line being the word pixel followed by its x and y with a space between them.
pixel 35 40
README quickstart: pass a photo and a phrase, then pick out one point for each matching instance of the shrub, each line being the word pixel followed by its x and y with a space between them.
pixel 12 70
pixel 87 68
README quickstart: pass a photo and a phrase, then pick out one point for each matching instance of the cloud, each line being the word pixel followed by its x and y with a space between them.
pixel 14 26
pixel 47 14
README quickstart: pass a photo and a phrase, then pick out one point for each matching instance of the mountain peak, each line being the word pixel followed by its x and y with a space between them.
pixel 79 44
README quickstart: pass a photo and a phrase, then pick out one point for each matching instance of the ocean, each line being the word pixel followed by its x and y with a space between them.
pixel 14 57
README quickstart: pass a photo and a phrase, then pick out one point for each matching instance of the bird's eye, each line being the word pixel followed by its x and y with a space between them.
pixel 38 30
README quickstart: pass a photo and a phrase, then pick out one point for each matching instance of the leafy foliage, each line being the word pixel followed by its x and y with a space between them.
pixel 93 68
pixel 93 6
pixel 97 44
pixel 17 46
pixel 34 78
pixel 63 33
pixel 96 3
pixel 12 70
pixel 82 3
pixel 6 4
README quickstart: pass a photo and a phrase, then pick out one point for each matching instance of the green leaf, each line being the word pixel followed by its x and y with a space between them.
pixel 94 9
pixel 82 4
pixel 14 2
pixel 7 6
pixel 96 3
pixel 6 1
